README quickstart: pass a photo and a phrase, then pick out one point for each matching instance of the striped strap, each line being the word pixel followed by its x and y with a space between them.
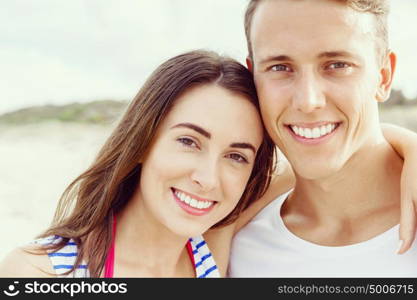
pixel 205 265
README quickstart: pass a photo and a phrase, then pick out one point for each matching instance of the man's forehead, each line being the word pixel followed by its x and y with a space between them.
pixel 311 13
pixel 282 24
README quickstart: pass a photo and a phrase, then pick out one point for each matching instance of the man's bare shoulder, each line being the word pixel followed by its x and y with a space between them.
pixel 21 263
pixel 219 241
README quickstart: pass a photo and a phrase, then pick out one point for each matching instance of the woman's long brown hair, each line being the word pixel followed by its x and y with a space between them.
pixel 85 209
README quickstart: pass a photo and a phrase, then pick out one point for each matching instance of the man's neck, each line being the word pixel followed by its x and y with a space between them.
pixel 353 205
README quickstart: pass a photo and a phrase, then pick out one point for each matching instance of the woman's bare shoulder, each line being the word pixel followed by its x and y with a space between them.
pixel 23 262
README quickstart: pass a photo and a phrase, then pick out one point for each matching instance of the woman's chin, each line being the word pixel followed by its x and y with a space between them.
pixel 189 230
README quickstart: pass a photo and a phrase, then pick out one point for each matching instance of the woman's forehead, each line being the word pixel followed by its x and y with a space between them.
pixel 218 111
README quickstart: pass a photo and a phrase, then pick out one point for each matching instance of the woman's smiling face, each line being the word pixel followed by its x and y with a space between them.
pixel 200 160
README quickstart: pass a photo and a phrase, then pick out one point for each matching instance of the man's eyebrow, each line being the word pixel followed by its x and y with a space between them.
pixel 332 54
pixel 195 128
pixel 276 58
pixel 244 146
pixel 327 54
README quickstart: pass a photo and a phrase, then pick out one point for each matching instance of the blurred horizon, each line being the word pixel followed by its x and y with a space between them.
pixel 55 52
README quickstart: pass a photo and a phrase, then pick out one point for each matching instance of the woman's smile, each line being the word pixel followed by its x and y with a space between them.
pixel 192 204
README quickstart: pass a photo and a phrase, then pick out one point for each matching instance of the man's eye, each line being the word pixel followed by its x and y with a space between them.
pixel 238 158
pixel 187 142
pixel 338 65
pixel 281 68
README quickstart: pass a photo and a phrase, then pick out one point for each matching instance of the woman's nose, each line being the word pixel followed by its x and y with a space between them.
pixel 206 174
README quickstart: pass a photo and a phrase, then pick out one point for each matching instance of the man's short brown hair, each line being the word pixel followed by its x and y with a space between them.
pixel 379 8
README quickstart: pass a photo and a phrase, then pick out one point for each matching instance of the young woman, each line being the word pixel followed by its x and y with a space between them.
pixel 188 157
pixel 189 154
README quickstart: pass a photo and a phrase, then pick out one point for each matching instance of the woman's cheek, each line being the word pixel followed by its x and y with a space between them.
pixel 236 182
pixel 168 158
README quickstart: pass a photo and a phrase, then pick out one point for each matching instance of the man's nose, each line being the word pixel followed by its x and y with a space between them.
pixel 206 174
pixel 308 94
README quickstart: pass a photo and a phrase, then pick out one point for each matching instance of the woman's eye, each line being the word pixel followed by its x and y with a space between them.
pixel 238 158
pixel 187 142
pixel 281 68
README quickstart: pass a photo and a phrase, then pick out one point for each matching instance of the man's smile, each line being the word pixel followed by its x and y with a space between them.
pixel 312 133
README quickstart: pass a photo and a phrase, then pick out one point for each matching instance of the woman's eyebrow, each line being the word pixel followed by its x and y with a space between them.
pixel 205 133
pixel 243 146
pixel 195 128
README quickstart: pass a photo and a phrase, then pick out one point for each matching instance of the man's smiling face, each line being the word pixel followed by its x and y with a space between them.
pixel 318 78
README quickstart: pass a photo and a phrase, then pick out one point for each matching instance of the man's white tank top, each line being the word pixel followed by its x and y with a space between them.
pixel 266 248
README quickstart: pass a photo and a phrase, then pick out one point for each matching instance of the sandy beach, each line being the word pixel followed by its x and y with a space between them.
pixel 37 162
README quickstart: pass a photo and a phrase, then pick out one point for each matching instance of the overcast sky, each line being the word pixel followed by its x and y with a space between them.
pixel 55 51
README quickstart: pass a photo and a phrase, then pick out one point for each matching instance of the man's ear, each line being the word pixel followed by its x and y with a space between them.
pixel 249 64
pixel 386 74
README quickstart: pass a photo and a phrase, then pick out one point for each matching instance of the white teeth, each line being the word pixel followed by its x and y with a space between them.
pixel 316 133
pixel 329 127
pixel 193 202
pixel 313 133
pixel 187 199
pixel 307 133
pixel 296 130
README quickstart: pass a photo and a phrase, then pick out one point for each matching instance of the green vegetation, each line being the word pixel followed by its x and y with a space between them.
pixel 96 112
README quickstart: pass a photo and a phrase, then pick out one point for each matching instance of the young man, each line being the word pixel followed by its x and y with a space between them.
pixel 320 68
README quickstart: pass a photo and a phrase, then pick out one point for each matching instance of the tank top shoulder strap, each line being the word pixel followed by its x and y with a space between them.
pixel 205 266
pixel 64 259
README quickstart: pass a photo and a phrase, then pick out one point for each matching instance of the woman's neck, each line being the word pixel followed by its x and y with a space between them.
pixel 144 247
